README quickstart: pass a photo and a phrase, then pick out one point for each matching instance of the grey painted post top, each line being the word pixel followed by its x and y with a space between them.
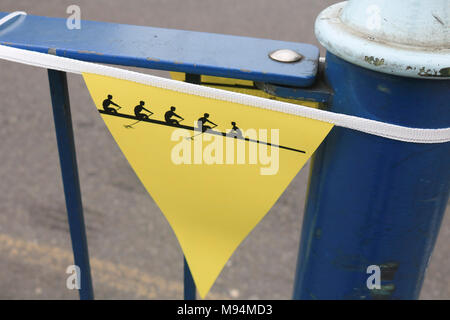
pixel 403 37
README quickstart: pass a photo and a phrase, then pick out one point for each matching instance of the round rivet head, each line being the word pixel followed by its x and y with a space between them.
pixel 285 55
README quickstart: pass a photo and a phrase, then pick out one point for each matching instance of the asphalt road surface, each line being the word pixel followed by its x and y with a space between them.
pixel 134 252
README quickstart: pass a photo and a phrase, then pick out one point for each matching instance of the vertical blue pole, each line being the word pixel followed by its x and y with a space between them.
pixel 189 285
pixel 372 200
pixel 67 156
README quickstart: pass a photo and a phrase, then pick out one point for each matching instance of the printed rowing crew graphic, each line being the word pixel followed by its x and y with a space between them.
pixel 201 127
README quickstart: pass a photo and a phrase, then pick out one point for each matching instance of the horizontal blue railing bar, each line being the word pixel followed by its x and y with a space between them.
pixel 164 49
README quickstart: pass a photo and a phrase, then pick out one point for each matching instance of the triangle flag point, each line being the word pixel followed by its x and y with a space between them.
pixel 214 168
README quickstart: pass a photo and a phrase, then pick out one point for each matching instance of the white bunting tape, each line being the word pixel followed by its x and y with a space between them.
pixel 382 129
pixel 11 16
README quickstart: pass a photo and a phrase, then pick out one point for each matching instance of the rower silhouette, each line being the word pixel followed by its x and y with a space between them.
pixel 138 111
pixel 171 113
pixel 202 121
pixel 235 131
pixel 106 105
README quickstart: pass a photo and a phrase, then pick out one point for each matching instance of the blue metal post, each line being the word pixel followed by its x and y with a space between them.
pixel 66 147
pixel 189 285
pixel 372 200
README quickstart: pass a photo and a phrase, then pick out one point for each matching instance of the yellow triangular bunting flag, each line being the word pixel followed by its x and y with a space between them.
pixel 214 168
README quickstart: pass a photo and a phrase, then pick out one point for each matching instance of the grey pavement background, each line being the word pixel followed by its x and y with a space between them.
pixel 134 252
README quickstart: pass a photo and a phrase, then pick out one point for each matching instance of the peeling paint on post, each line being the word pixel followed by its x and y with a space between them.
pixel 375 61
pixel 388 270
pixel 445 72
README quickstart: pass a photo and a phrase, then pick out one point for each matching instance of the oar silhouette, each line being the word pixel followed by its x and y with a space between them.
pixel 198 134
pixel 130 126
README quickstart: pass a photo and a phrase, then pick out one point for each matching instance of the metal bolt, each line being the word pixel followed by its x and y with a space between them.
pixel 285 55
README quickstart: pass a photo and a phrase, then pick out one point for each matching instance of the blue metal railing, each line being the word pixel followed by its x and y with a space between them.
pixel 69 170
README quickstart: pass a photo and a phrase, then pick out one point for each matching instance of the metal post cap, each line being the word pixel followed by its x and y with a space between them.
pixel 285 55
pixel 404 37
